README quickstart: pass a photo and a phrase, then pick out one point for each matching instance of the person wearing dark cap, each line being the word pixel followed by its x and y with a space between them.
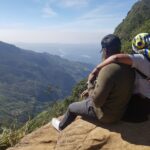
pixel 111 93
pixel 111 45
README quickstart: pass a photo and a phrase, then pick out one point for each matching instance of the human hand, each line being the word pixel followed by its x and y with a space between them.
pixel 85 94
pixel 90 77
pixel 93 75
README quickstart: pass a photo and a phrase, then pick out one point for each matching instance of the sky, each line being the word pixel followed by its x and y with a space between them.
pixel 60 21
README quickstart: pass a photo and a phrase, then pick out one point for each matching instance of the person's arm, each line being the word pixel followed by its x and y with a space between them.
pixel 120 58
pixel 103 86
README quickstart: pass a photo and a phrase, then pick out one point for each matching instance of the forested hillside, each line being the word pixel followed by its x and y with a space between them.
pixel 31 81
pixel 137 20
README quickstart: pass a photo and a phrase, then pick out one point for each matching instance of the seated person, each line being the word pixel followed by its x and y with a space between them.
pixel 111 93
pixel 140 60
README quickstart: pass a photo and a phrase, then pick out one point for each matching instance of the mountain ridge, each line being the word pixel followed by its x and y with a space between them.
pixel 31 81
pixel 86 53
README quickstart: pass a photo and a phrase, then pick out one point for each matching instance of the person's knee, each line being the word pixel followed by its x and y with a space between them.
pixel 78 108
pixel 71 107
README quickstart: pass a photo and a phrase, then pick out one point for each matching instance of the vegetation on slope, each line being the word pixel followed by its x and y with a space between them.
pixel 137 21
pixel 10 137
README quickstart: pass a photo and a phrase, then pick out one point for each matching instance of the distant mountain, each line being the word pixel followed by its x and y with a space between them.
pixel 88 53
pixel 30 81
pixel 137 20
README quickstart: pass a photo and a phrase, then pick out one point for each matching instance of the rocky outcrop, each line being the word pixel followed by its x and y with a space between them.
pixel 82 135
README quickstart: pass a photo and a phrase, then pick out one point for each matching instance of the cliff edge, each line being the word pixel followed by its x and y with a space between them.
pixel 83 135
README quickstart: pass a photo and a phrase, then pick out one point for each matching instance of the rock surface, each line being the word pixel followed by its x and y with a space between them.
pixel 82 135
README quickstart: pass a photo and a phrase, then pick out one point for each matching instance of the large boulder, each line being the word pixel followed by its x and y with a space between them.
pixel 83 135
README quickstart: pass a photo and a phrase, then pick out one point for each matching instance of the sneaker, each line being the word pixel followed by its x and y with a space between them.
pixel 55 123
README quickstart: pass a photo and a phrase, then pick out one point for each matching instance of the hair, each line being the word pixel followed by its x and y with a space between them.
pixel 111 45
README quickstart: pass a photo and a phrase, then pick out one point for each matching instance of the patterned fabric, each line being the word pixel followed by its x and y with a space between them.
pixel 141 41
pixel 147 54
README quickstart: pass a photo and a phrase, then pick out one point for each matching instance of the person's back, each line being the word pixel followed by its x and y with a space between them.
pixel 113 90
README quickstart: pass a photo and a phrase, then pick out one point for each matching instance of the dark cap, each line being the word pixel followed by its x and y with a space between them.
pixel 112 43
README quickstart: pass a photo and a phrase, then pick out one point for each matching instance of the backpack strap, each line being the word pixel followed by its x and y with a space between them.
pixel 142 74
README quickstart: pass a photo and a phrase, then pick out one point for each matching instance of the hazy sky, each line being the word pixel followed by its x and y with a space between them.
pixel 63 21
